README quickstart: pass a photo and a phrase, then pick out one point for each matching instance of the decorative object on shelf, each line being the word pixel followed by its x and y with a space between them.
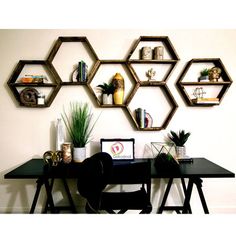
pixel 40 99
pixel 66 152
pixel 179 140
pixel 80 73
pixel 199 97
pixel 220 87
pixel 38 79
pixel 140 117
pixel 107 92
pixel 146 53
pixel 148 120
pixel 206 101
pixel 204 75
pixel 143 118
pixel 119 85
pixel 28 96
pixel 164 156
pixel 214 74
pixel 52 158
pixel 158 53
pixel 150 74
pixel 198 92
pixel 79 126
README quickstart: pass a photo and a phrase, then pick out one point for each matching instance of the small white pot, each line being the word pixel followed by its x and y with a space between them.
pixel 79 154
pixel 107 99
pixel 180 152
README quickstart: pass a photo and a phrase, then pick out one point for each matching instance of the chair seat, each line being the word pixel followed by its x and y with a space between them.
pixel 126 200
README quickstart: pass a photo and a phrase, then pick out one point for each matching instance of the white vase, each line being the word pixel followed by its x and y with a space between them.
pixel 107 99
pixel 180 152
pixel 79 154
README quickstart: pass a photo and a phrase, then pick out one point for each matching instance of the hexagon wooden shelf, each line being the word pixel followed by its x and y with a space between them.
pixel 169 60
pixel 115 64
pixel 54 85
pixel 167 96
pixel 89 51
pixel 224 82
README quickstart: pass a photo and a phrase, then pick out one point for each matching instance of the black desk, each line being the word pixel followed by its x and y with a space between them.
pixel 194 171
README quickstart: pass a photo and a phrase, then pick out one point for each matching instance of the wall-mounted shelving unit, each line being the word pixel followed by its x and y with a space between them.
pixel 163 68
pixel 74 49
pixel 106 70
pixel 66 52
pixel 188 81
pixel 30 98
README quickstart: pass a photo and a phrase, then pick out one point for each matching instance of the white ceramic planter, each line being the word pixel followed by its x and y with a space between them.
pixel 107 99
pixel 79 154
pixel 180 152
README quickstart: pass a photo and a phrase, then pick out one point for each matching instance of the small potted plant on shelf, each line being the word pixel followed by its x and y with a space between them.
pixel 204 75
pixel 79 125
pixel 179 139
pixel 107 92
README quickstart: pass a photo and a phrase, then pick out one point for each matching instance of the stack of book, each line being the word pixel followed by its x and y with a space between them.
pixel 206 100
pixel 82 72
pixel 143 118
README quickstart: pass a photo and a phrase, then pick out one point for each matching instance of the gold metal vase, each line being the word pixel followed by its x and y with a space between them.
pixel 119 84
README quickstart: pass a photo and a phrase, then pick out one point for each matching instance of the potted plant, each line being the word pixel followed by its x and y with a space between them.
pixel 107 92
pixel 179 139
pixel 79 125
pixel 204 75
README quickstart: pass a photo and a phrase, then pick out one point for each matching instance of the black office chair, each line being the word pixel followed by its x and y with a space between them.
pixel 97 172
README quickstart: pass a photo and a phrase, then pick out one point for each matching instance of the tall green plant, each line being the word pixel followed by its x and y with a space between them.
pixel 79 123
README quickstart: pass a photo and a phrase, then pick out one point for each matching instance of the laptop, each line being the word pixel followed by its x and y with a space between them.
pixel 121 150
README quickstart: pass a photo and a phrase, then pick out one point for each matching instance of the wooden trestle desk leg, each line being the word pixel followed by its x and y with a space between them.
pixel 57 209
pixel 49 195
pixel 174 208
pixel 40 182
pixel 162 206
pixel 36 196
pixel 198 183
pixel 72 205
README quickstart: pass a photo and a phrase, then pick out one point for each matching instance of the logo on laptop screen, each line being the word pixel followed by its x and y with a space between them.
pixel 117 148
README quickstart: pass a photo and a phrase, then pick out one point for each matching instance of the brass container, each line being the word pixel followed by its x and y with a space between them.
pixel 119 84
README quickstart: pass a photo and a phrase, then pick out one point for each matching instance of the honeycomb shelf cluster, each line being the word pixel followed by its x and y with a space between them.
pixel 132 66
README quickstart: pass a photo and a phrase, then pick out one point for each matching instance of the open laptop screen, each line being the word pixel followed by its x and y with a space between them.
pixel 119 149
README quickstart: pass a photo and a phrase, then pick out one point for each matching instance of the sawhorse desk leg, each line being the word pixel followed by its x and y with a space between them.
pixel 40 182
pixel 175 208
pixel 57 209
pixel 198 183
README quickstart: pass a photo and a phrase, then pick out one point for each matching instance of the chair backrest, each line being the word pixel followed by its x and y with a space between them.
pixel 93 176
pixel 132 173
pixel 138 174
pixel 98 171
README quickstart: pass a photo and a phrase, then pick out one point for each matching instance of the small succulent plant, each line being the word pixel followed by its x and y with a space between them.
pixel 179 138
pixel 107 88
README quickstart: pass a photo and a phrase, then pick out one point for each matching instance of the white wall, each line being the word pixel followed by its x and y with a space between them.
pixel 27 133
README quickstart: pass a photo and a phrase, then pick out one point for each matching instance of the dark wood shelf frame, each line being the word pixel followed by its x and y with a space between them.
pixel 75 39
pixel 169 97
pixel 110 62
pixel 226 83
pixel 162 84
pixel 51 71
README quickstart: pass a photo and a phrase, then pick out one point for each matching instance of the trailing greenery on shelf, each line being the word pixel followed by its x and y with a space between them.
pixel 107 88
pixel 79 123
pixel 179 138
